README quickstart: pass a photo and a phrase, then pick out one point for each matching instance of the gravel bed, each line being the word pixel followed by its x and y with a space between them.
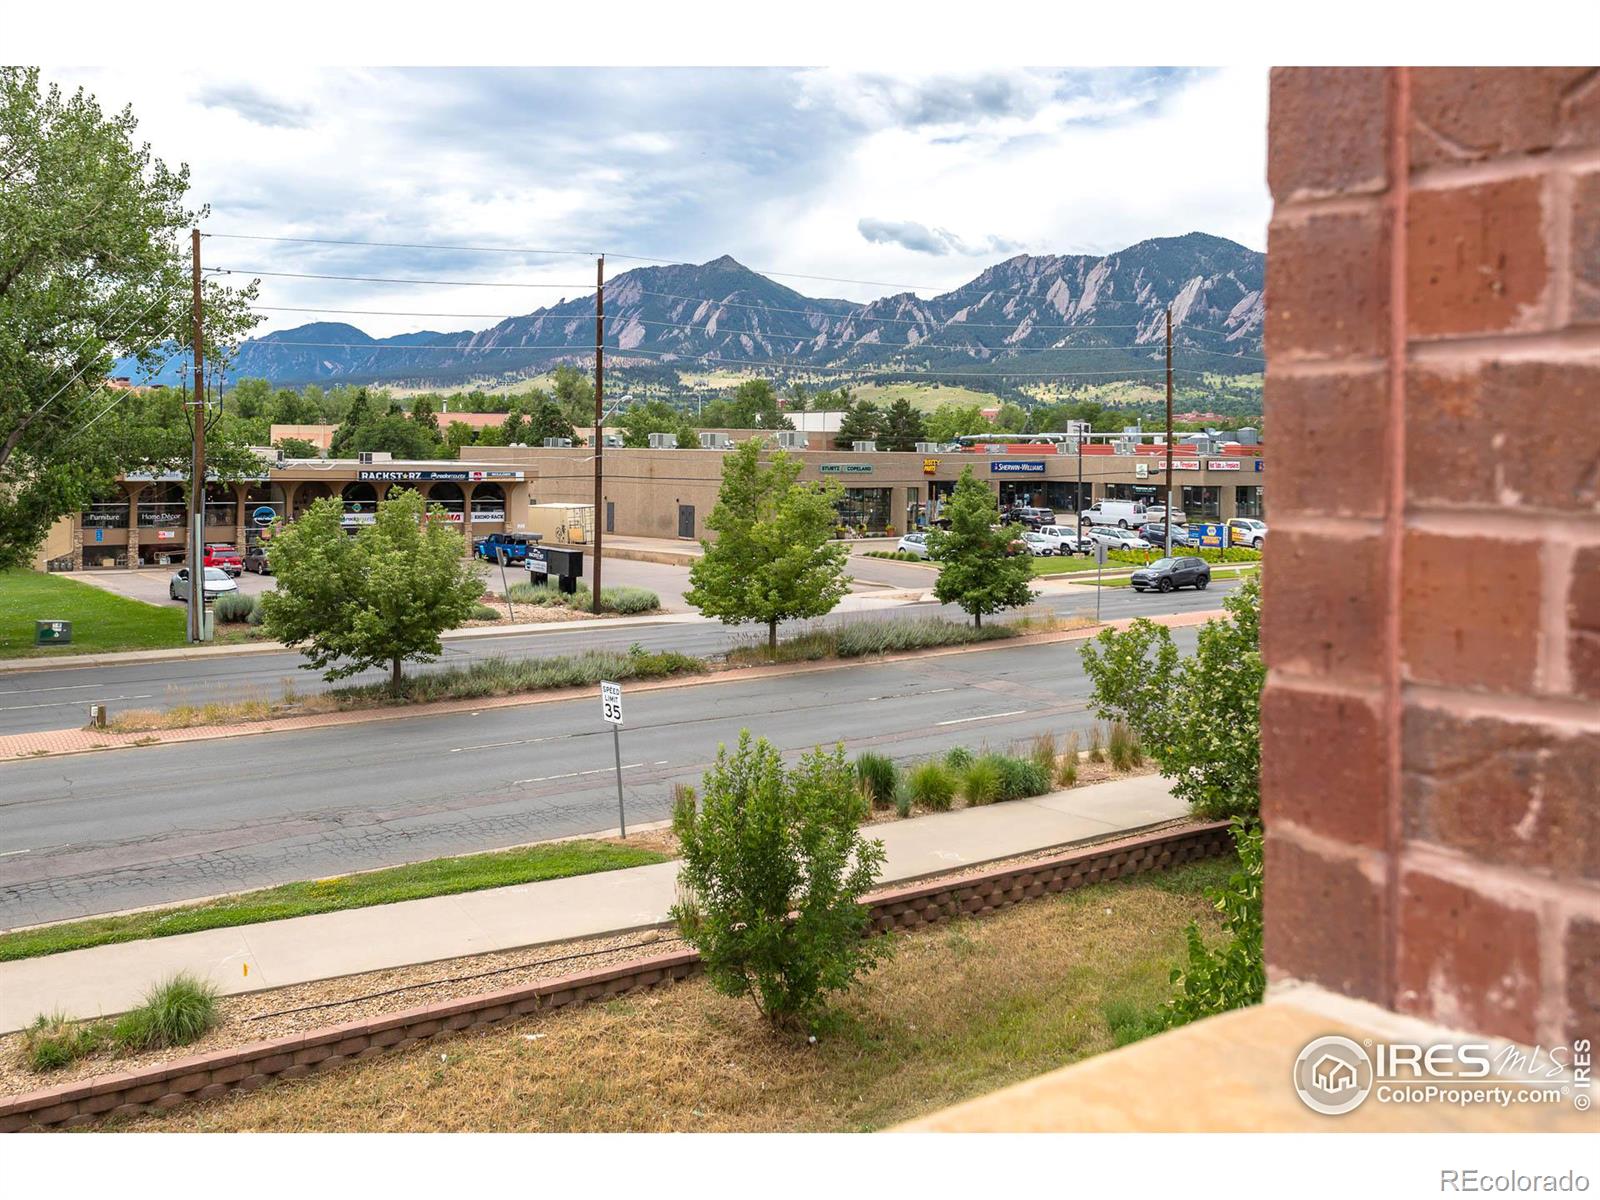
pixel 257 1016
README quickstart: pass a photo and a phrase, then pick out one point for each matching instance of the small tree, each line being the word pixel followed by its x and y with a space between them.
pixel 903 426
pixel 774 868
pixel 376 599
pixel 294 447
pixel 977 569
pixel 862 423
pixel 774 558
pixel 1199 717
pixel 1233 974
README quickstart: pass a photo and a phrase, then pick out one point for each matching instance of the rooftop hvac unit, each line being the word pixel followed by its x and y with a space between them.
pixel 1249 435
pixel 374 456
pixel 994 447
pixel 558 443
pixel 864 447
pixel 927 447
pixel 1124 446
pixel 715 441
pixel 613 440
pixel 792 439
pixel 663 441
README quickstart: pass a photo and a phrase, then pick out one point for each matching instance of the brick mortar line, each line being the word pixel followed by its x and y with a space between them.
pixel 18 746
pixel 1535 345
pixel 1560 714
pixel 211 1075
pixel 1511 168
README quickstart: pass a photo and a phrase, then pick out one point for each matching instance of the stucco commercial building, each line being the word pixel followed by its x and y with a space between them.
pixel 654 493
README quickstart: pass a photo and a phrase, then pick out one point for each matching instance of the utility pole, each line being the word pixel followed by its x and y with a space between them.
pixel 599 420
pixel 1167 524
pixel 197 468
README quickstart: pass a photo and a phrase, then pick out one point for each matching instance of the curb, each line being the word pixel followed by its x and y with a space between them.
pixel 14 747
pixel 245 1068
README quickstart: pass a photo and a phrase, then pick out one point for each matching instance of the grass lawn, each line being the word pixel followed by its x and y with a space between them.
pixel 437 877
pixel 100 619
pixel 1071 565
pixel 960 1010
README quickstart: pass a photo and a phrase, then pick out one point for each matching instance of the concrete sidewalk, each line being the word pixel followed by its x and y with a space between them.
pixel 111 979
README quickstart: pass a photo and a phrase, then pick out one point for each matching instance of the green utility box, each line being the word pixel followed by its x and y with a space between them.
pixel 52 633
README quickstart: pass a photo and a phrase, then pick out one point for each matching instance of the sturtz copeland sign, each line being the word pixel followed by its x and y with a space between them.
pixel 369 474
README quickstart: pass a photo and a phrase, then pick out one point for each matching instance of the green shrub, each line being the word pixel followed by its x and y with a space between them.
pixel 484 613
pixel 1234 974
pixel 628 600
pixel 958 758
pixel 233 607
pixel 774 868
pixel 980 782
pixel 174 1013
pixel 932 785
pixel 53 1041
pixel 257 615
pixel 683 805
pixel 1020 777
pixel 878 776
pixel 542 595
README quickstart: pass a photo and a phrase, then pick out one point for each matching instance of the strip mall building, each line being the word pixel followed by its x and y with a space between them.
pixel 664 493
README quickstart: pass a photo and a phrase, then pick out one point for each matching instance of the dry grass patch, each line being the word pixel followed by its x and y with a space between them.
pixel 960 1010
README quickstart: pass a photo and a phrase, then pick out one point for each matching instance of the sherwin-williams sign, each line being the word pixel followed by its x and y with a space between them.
pixel 846 468
pixel 1009 466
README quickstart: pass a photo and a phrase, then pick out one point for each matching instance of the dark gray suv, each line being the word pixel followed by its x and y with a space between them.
pixel 1165 574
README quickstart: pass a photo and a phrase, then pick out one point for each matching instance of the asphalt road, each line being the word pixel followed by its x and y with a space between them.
pixel 59 697
pixel 92 833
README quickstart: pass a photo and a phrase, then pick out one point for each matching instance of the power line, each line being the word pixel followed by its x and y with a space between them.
pixel 881 370
pixel 384 279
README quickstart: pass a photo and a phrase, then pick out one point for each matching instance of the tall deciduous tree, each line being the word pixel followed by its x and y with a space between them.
pixel 94 263
pixel 774 558
pixel 977 569
pixel 377 599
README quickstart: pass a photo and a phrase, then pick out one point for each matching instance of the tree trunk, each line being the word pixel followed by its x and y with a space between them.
pixel 977 620
pixel 772 636
pixel 394 678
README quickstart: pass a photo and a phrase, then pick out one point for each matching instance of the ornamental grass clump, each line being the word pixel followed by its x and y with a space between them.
pixel 1122 748
pixel 1067 772
pixel 879 778
pixel 54 1041
pixel 174 1013
pixel 932 785
pixel 1097 744
pixel 980 781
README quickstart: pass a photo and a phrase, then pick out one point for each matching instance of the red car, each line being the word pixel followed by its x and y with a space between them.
pixel 224 556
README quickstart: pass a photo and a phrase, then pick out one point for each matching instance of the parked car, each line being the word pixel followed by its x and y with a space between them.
pixel 1157 514
pixel 1156 535
pixel 1066 539
pixel 214 583
pixel 1038 545
pixel 914 543
pixel 255 559
pixel 514 545
pixel 224 556
pixel 1033 518
pixel 1167 574
pixel 1124 514
pixel 1243 531
pixel 1118 539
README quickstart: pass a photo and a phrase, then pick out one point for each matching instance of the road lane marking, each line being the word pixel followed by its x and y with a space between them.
pixel 575 774
pixel 71 703
pixel 1015 712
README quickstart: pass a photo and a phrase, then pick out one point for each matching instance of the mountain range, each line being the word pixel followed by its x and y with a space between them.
pixel 1095 317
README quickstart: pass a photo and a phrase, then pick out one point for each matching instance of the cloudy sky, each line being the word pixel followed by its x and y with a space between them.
pixel 903 181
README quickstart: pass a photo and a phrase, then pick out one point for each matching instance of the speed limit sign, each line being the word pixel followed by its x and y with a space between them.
pixel 611 701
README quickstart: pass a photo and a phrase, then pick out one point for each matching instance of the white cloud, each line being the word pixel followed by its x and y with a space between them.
pixel 911 179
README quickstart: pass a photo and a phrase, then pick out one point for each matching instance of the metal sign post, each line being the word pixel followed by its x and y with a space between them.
pixel 611 709
pixel 1099 570
pixel 500 553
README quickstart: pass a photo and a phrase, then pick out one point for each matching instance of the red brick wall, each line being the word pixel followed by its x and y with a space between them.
pixel 1431 728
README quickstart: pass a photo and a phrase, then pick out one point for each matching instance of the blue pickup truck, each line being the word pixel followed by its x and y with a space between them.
pixel 513 545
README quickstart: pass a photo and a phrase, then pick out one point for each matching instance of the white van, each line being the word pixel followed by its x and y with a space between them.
pixel 1124 514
